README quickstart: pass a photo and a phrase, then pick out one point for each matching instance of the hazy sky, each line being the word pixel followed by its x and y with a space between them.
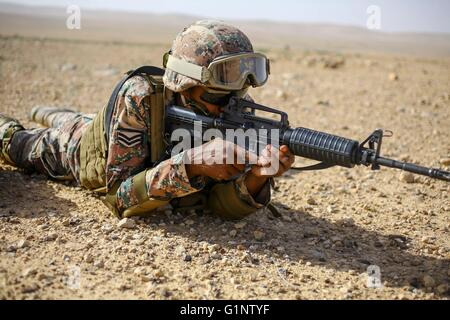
pixel 396 15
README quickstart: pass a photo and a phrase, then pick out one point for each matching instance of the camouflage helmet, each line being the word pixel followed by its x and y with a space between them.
pixel 200 43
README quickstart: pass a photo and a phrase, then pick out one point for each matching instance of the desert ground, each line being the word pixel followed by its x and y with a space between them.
pixel 58 241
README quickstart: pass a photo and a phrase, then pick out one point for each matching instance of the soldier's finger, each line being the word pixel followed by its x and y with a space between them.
pixel 285 149
pixel 231 171
pixel 243 155
pixel 285 163
pixel 286 154
pixel 239 167
pixel 264 161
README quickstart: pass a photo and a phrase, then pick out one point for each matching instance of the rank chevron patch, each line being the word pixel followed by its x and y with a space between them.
pixel 130 137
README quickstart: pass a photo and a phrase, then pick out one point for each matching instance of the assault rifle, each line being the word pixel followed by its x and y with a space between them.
pixel 330 150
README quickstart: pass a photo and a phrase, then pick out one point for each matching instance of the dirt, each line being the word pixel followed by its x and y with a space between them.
pixel 58 241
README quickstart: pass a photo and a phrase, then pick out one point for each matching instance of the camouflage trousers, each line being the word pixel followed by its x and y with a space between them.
pixel 53 151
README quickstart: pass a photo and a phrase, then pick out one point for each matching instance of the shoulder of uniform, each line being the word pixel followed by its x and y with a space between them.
pixel 137 86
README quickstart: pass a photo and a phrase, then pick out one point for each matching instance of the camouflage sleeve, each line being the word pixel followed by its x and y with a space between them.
pixel 128 137
pixel 258 201
pixel 156 186
pixel 231 200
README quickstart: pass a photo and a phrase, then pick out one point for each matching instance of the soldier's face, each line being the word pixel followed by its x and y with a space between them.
pixel 196 93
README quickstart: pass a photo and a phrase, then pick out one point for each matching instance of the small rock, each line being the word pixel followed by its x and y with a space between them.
pixel 428 281
pixel 311 201
pixel 150 289
pixel 11 248
pixel 107 228
pixel 88 258
pixel 240 225
pixel 99 264
pixel 51 214
pixel 123 286
pixel 189 222
pixel 216 256
pixel 280 249
pixel 165 292
pixel 331 209
pixel 393 76
pixel 325 103
pixel 259 235
pixel 68 67
pixel 136 236
pixel 187 258
pixel 30 288
pixel 333 62
pixel 445 162
pixel 126 223
pixel 23 244
pixel 345 290
pixel 205 259
pixel 158 273
pixel 29 272
pixel 233 233
pixel 51 236
pixel 43 276
pixel 139 270
pixel 442 289
pixel 180 250
pixel 407 177
pixel 428 240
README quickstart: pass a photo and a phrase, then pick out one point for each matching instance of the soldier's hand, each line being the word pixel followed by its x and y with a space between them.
pixel 218 159
pixel 273 162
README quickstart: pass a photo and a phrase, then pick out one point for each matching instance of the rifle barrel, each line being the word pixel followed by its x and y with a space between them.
pixel 429 172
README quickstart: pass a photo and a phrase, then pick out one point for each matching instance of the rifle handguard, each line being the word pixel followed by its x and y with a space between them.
pixel 321 146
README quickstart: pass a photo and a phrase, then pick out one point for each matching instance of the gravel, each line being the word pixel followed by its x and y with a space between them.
pixel 332 223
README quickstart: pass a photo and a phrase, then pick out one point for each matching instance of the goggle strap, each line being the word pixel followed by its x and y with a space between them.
pixel 187 69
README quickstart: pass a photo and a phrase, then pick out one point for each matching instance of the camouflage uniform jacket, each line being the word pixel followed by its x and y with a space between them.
pixel 128 155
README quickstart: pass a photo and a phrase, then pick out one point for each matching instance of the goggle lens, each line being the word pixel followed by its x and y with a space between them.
pixel 214 98
pixel 235 71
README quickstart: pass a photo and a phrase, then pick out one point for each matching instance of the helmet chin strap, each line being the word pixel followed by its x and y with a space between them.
pixel 195 105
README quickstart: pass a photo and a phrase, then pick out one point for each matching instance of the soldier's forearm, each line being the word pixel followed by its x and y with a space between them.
pixel 254 183
pixel 162 183
pixel 192 170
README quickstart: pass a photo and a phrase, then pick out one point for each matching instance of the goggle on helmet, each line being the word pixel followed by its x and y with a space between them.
pixel 229 72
